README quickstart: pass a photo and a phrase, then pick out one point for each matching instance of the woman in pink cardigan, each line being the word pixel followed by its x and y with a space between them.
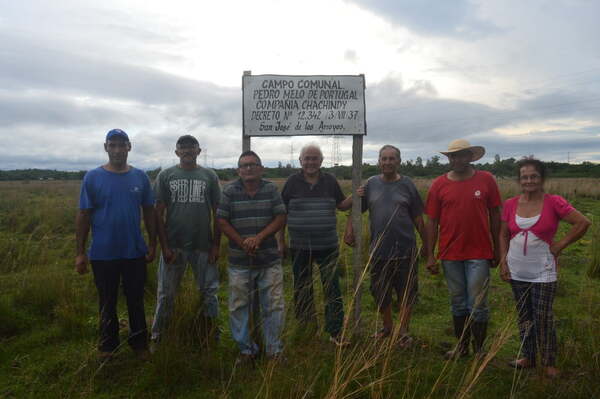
pixel 529 260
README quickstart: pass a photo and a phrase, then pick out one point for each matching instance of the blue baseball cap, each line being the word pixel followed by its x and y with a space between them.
pixel 116 133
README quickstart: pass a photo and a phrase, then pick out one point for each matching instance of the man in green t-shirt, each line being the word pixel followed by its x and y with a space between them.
pixel 190 194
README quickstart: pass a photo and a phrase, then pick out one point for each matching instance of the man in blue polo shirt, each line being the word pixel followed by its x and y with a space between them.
pixel 110 201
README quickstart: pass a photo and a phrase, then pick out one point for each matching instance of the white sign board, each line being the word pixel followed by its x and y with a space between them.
pixel 279 105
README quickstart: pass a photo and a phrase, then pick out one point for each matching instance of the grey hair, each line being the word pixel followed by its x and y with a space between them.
pixel 308 146
pixel 389 147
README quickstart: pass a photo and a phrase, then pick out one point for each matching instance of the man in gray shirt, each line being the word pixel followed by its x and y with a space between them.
pixel 190 194
pixel 395 208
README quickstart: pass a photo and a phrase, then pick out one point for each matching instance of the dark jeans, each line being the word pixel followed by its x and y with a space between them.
pixel 303 287
pixel 107 276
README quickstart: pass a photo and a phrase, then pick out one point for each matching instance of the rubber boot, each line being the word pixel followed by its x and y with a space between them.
pixel 463 334
pixel 479 332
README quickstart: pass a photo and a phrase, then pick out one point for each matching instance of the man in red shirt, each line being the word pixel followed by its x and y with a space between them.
pixel 463 208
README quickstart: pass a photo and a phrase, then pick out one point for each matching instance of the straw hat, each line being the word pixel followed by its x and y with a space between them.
pixel 461 144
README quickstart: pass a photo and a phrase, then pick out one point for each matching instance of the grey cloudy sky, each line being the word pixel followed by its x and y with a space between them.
pixel 517 77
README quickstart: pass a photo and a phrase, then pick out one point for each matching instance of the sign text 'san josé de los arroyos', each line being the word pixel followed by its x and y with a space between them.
pixel 279 105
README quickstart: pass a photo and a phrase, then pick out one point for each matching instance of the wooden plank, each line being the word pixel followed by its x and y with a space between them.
pixel 357 153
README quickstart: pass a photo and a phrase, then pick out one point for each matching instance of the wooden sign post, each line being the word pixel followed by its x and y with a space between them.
pixel 312 105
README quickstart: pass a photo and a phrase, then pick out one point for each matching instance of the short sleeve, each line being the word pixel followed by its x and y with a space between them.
pixel 86 200
pixel 561 206
pixel 147 193
pixel 494 200
pixel 277 203
pixel 432 204
pixel 337 191
pixel 416 205
pixel 223 209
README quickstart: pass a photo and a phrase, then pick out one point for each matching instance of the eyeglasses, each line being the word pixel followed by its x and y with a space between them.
pixel 249 165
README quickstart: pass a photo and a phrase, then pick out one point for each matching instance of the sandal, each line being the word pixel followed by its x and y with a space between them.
pixel 381 334
pixel 405 341
pixel 518 364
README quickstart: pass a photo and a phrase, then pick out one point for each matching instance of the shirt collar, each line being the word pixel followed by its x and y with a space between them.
pixel 321 176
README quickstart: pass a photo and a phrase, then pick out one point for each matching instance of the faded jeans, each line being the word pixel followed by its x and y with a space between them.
pixel 468 282
pixel 206 276
pixel 269 283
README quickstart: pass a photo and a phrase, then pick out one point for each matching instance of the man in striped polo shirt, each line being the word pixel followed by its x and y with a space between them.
pixel 250 213
pixel 312 197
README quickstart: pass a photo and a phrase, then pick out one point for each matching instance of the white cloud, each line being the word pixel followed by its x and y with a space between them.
pixel 517 76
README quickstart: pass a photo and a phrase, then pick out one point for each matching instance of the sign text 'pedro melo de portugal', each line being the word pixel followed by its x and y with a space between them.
pixel 278 105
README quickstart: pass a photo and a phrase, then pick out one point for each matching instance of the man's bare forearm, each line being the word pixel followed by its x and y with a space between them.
pixel 227 229
pixel 280 236
pixel 420 226
pixel 495 227
pixel 346 204
pixel 273 227
pixel 161 229
pixel 82 229
pixel 150 223
pixel 431 233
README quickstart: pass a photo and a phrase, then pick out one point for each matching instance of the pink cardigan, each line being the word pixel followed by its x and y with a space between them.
pixel 555 208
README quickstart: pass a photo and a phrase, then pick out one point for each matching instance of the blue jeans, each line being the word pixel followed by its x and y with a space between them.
pixel 269 283
pixel 468 282
pixel 206 276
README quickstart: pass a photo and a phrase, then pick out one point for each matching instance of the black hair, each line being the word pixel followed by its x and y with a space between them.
pixel 187 139
pixel 539 166
pixel 247 154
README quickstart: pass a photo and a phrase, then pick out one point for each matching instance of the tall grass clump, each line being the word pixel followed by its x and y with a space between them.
pixel 593 270
pixel 12 321
pixel 38 295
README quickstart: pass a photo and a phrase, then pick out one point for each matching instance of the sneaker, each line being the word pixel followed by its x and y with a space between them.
pixel 339 341
pixel 522 363
pixel 381 334
pixel 405 341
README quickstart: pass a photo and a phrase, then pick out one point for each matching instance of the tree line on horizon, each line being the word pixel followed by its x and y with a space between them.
pixel 418 168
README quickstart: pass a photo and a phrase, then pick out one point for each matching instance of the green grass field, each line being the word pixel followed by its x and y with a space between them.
pixel 48 326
